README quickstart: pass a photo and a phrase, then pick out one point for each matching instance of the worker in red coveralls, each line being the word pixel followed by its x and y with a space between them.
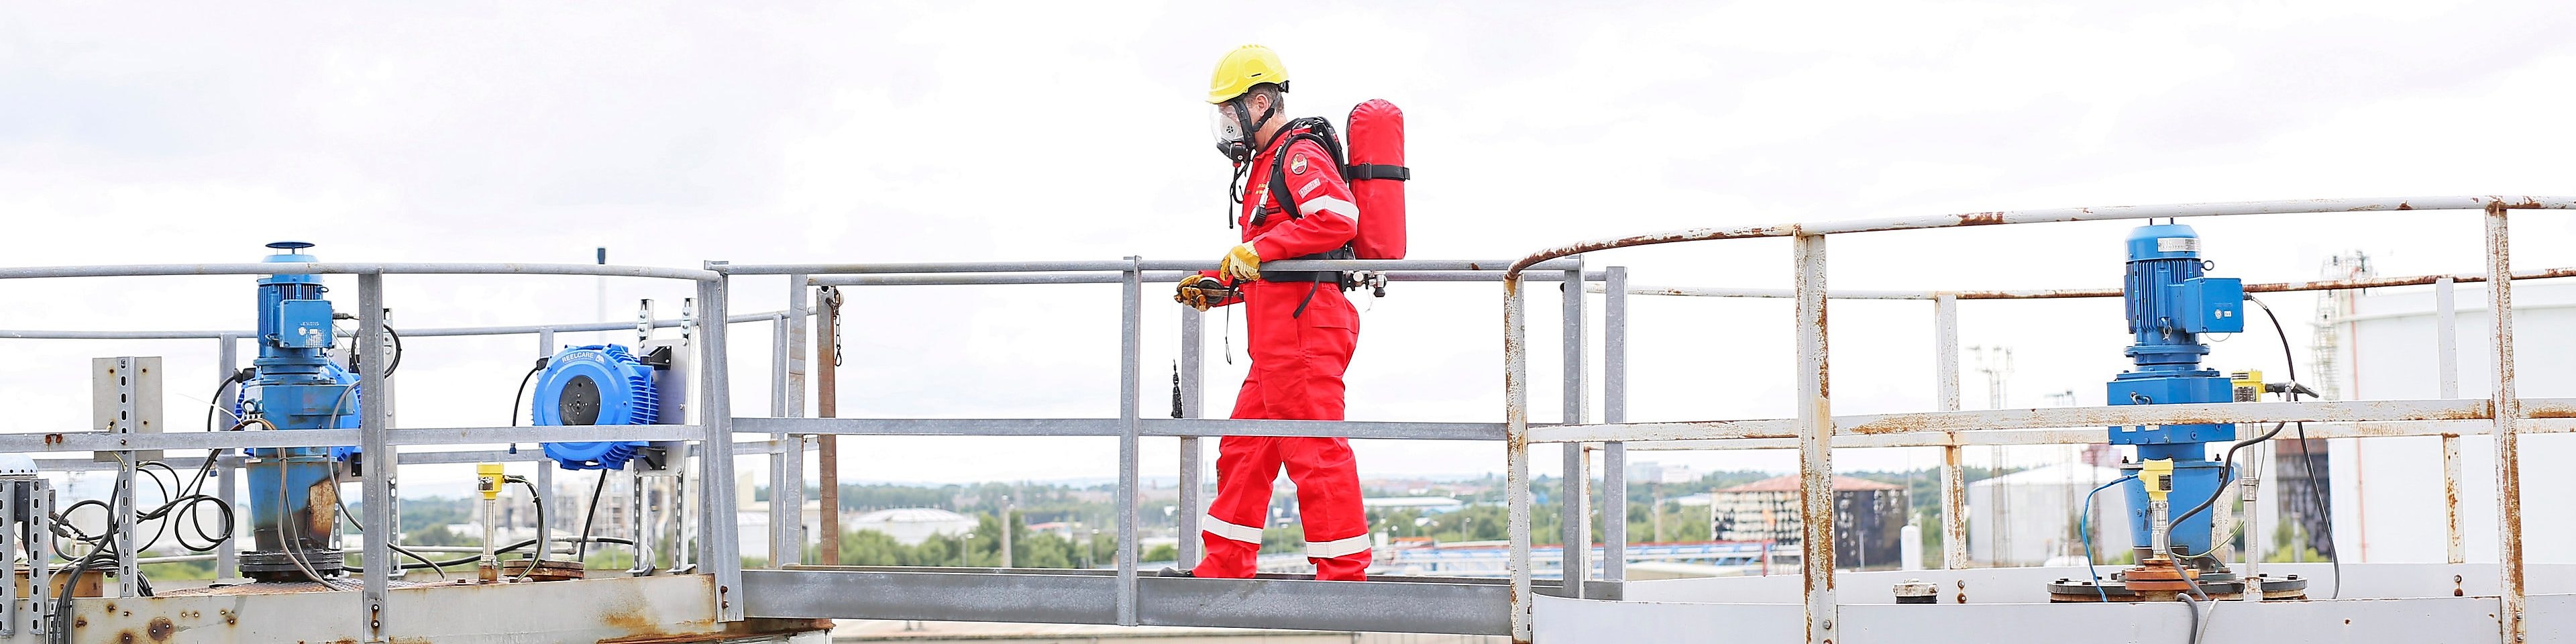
pixel 1302 329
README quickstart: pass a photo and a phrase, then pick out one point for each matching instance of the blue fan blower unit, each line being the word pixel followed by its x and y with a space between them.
pixel 601 384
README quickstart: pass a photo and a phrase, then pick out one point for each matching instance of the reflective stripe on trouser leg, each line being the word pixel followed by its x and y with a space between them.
pixel 1245 467
pixel 1230 530
pixel 1328 502
pixel 1337 547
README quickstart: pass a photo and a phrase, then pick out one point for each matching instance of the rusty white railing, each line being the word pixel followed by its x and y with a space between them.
pixel 1815 431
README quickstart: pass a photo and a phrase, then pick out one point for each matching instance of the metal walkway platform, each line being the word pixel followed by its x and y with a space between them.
pixel 2507 605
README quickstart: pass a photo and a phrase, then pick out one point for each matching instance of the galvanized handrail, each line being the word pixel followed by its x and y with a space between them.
pixel 1118 266
pixel 358 268
pixel 520 329
pixel 377 436
pixel 1816 431
pixel 1130 426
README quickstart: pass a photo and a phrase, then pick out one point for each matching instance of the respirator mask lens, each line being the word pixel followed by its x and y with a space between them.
pixel 1231 140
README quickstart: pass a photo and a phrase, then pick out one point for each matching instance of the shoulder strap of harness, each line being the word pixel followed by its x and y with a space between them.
pixel 1310 128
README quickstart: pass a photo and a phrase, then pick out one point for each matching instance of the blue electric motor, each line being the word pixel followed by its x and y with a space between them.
pixel 595 385
pixel 297 387
pixel 2169 305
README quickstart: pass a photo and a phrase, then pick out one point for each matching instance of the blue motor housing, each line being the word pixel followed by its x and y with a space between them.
pixel 595 385
pixel 348 401
pixel 2169 305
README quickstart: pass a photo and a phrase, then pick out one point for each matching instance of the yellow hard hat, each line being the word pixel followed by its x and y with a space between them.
pixel 1243 68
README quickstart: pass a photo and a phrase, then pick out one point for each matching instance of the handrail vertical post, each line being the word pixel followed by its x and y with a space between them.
pixel 1573 501
pixel 2507 411
pixel 827 404
pixel 797 334
pixel 377 497
pixel 1614 409
pixel 228 356
pixel 786 456
pixel 1516 483
pixel 1945 388
pixel 2446 347
pixel 717 544
pixel 545 471
pixel 1130 324
pixel 1815 443
pixel 1193 343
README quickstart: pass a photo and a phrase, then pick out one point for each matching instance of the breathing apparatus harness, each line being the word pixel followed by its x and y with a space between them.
pixel 1316 129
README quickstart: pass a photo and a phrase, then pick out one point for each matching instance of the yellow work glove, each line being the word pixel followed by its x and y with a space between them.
pixel 1242 263
pixel 1199 291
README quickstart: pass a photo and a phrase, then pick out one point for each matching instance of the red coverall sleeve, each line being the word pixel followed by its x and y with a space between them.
pixel 1331 219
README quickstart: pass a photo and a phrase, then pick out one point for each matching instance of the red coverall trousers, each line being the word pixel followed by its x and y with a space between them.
pixel 1297 365
pixel 1302 336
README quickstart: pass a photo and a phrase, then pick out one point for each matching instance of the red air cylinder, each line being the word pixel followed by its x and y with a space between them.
pixel 1377 176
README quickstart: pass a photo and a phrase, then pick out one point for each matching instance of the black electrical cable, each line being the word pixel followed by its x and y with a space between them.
pixel 2227 473
pixel 60 626
pixel 2307 458
pixel 515 547
pixel 581 553
pixel 520 395
pixel 540 499
pixel 292 536
pixel 229 381
pixel 361 528
pixel 396 362
pixel 103 551
pixel 2192 608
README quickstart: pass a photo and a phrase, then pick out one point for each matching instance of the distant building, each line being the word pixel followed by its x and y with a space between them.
pixel 1423 504
pixel 1867 517
pixel 911 526
pixel 1652 472
pixel 2029 518
pixel 1064 529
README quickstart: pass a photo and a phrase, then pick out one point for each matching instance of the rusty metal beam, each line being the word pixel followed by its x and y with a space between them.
pixel 2074 436
pixel 2508 458
pixel 1954 481
pixel 1973 421
pixel 827 404
pixel 1516 436
pixel 1815 442
pixel 2446 347
pixel 2050 215
pixel 2077 293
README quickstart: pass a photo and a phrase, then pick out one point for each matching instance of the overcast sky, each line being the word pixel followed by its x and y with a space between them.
pixel 952 131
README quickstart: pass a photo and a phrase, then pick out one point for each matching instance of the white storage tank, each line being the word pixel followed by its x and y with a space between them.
pixel 2029 518
pixel 2387 492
